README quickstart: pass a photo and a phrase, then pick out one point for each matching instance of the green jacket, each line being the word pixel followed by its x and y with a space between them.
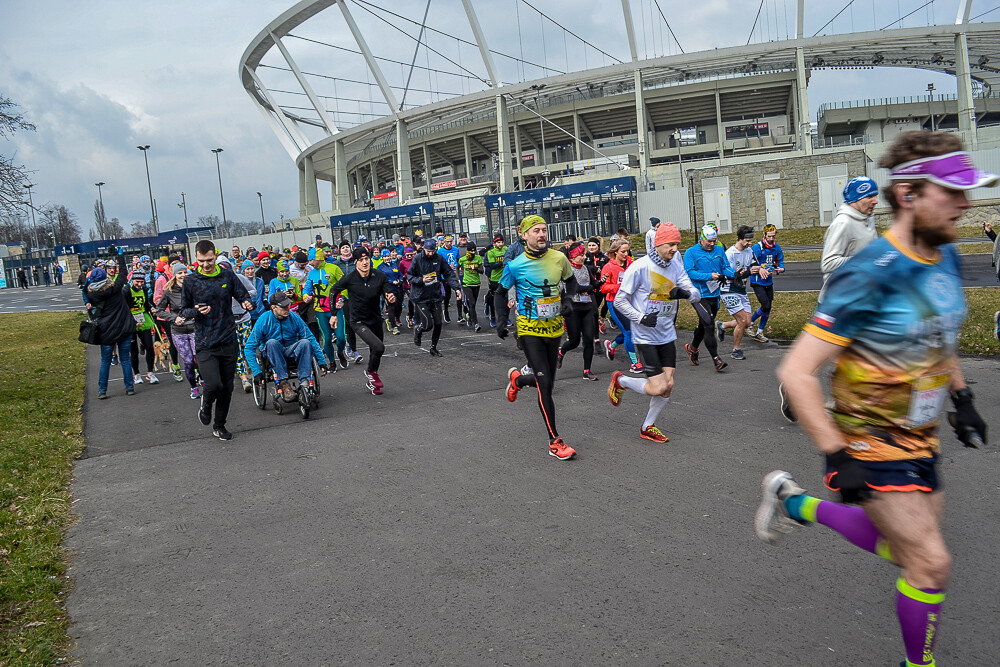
pixel 494 258
pixel 471 268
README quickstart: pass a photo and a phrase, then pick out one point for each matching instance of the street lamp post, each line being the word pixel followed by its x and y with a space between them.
pixel 221 196
pixel 31 205
pixel 184 206
pixel 680 161
pixel 149 183
pixel 930 103
pixel 263 223
pixel 100 198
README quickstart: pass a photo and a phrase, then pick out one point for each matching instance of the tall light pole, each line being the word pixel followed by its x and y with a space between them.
pixel 680 162
pixel 100 198
pixel 184 206
pixel 541 125
pixel 34 229
pixel 221 196
pixel 930 103
pixel 262 221
pixel 149 183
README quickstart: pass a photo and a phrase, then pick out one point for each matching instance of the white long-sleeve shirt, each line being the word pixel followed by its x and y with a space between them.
pixel 645 288
pixel 849 232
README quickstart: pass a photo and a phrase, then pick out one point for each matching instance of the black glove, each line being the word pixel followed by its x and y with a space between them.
pixel 742 273
pixel 969 426
pixel 567 306
pixel 679 293
pixel 649 319
pixel 849 477
pixel 502 332
pixel 259 378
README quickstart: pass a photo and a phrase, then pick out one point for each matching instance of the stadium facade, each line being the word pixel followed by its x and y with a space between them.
pixel 677 126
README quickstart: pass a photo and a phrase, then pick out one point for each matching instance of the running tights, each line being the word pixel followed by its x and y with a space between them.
pixel 471 295
pixel 184 343
pixel 146 338
pixel 352 340
pixel 580 323
pixel 625 332
pixel 490 295
pixel 765 295
pixel 429 319
pixel 542 353
pixel 707 331
pixel 371 334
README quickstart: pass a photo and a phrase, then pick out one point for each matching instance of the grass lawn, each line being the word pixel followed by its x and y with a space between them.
pixel 42 374
pixel 792 309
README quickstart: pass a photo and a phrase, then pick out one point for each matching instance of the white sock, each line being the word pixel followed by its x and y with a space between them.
pixel 637 385
pixel 656 405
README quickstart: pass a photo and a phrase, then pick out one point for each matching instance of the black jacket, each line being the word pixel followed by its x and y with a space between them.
pixel 365 295
pixel 267 275
pixel 109 308
pixel 217 327
pixel 423 265
pixel 169 307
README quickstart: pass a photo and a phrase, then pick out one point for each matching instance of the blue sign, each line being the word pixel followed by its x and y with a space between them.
pixel 172 237
pixel 382 215
pixel 608 186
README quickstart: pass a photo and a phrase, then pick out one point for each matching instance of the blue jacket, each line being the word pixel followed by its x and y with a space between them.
pixel 258 301
pixel 700 264
pixel 287 332
pixel 769 258
pixel 391 271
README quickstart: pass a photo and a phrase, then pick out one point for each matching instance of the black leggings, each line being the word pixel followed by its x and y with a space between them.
pixel 395 308
pixel 146 338
pixel 371 334
pixel 352 339
pixel 471 294
pixel 581 323
pixel 491 293
pixel 765 294
pixel 429 319
pixel 542 353
pixel 217 366
pixel 711 304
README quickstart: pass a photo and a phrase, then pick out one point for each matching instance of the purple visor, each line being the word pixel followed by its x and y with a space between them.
pixel 954 171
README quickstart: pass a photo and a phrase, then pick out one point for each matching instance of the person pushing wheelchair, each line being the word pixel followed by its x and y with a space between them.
pixel 282 336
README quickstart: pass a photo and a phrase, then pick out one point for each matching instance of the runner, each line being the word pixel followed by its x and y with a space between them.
pixel 890 320
pixel 265 271
pixel 345 260
pixel 317 287
pixel 536 275
pixel 206 298
pixel 493 265
pixel 404 270
pixel 597 259
pixel 852 228
pixel 427 273
pixel 769 255
pixel 580 322
pixel 390 267
pixel 611 277
pixel 650 237
pixel 734 292
pixel 647 297
pixel 450 253
pixel 707 267
pixel 181 330
pixel 365 289
pixel 471 266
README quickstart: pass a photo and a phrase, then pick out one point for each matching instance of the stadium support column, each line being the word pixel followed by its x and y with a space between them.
pixel 427 169
pixel 468 155
pixel 404 173
pixel 966 105
pixel 311 191
pixel 303 208
pixel 519 152
pixel 718 127
pixel 503 146
pixel 641 128
pixel 341 196
pixel 804 133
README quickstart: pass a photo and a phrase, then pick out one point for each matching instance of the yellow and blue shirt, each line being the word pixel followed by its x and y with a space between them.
pixel 539 302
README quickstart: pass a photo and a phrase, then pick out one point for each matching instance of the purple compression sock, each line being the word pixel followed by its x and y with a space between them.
pixel 919 612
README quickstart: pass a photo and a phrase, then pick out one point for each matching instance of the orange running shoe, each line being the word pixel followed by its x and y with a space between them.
pixel 654 434
pixel 512 387
pixel 615 390
pixel 559 449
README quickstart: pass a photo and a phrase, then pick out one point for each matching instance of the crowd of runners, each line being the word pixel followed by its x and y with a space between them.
pixel 889 318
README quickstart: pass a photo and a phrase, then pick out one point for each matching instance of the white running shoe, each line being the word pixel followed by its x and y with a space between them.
pixel 137 379
pixel 772 520
pixel 152 379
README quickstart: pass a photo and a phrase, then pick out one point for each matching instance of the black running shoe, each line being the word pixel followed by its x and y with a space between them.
pixel 786 408
pixel 719 364
pixel 205 413
pixel 417 336
pixel 221 433
pixel 434 351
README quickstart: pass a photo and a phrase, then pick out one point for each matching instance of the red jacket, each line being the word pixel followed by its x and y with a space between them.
pixel 612 276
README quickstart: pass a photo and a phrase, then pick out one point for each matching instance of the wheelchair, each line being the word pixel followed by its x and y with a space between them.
pixel 306 394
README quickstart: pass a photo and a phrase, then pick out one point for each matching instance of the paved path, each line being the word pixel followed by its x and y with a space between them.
pixel 54 298
pixel 429 526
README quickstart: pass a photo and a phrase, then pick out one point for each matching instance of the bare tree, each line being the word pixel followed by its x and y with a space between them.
pixel 142 229
pixel 59 223
pixel 12 175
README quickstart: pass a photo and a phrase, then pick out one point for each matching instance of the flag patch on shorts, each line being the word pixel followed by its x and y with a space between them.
pixel 824 320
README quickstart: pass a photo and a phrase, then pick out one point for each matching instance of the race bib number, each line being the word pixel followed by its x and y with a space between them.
pixel 140 318
pixel 549 307
pixel 661 304
pixel 433 277
pixel 926 399
pixel 584 298
pixel 731 301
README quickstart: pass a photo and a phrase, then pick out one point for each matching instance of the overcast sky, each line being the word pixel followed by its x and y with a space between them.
pixel 100 77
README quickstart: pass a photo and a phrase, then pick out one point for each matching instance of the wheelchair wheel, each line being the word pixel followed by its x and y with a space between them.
pixel 279 405
pixel 260 394
pixel 316 372
pixel 305 402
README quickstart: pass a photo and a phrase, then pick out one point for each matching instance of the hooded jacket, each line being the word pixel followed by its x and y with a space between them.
pixel 109 308
pixel 217 290
pixel 424 265
pixel 287 332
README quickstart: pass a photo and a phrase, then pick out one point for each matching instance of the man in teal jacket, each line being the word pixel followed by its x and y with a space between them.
pixel 283 335
pixel 707 266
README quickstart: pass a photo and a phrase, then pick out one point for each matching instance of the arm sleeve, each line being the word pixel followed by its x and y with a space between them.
pixel 448 276
pixel 122 276
pixel 308 287
pixel 779 257
pixel 851 299
pixel 992 235
pixel 622 303
pixel 188 311
pixel 158 289
pixel 161 307
pixel 834 248
pixel 727 267
pixel 689 261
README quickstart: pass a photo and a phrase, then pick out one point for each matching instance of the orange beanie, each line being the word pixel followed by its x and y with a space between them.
pixel 667 233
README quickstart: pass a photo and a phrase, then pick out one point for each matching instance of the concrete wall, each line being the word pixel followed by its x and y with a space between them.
pixel 795 175
pixel 669 205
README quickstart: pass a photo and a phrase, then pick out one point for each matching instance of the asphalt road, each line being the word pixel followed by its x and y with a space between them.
pixel 429 526
pixel 35 299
